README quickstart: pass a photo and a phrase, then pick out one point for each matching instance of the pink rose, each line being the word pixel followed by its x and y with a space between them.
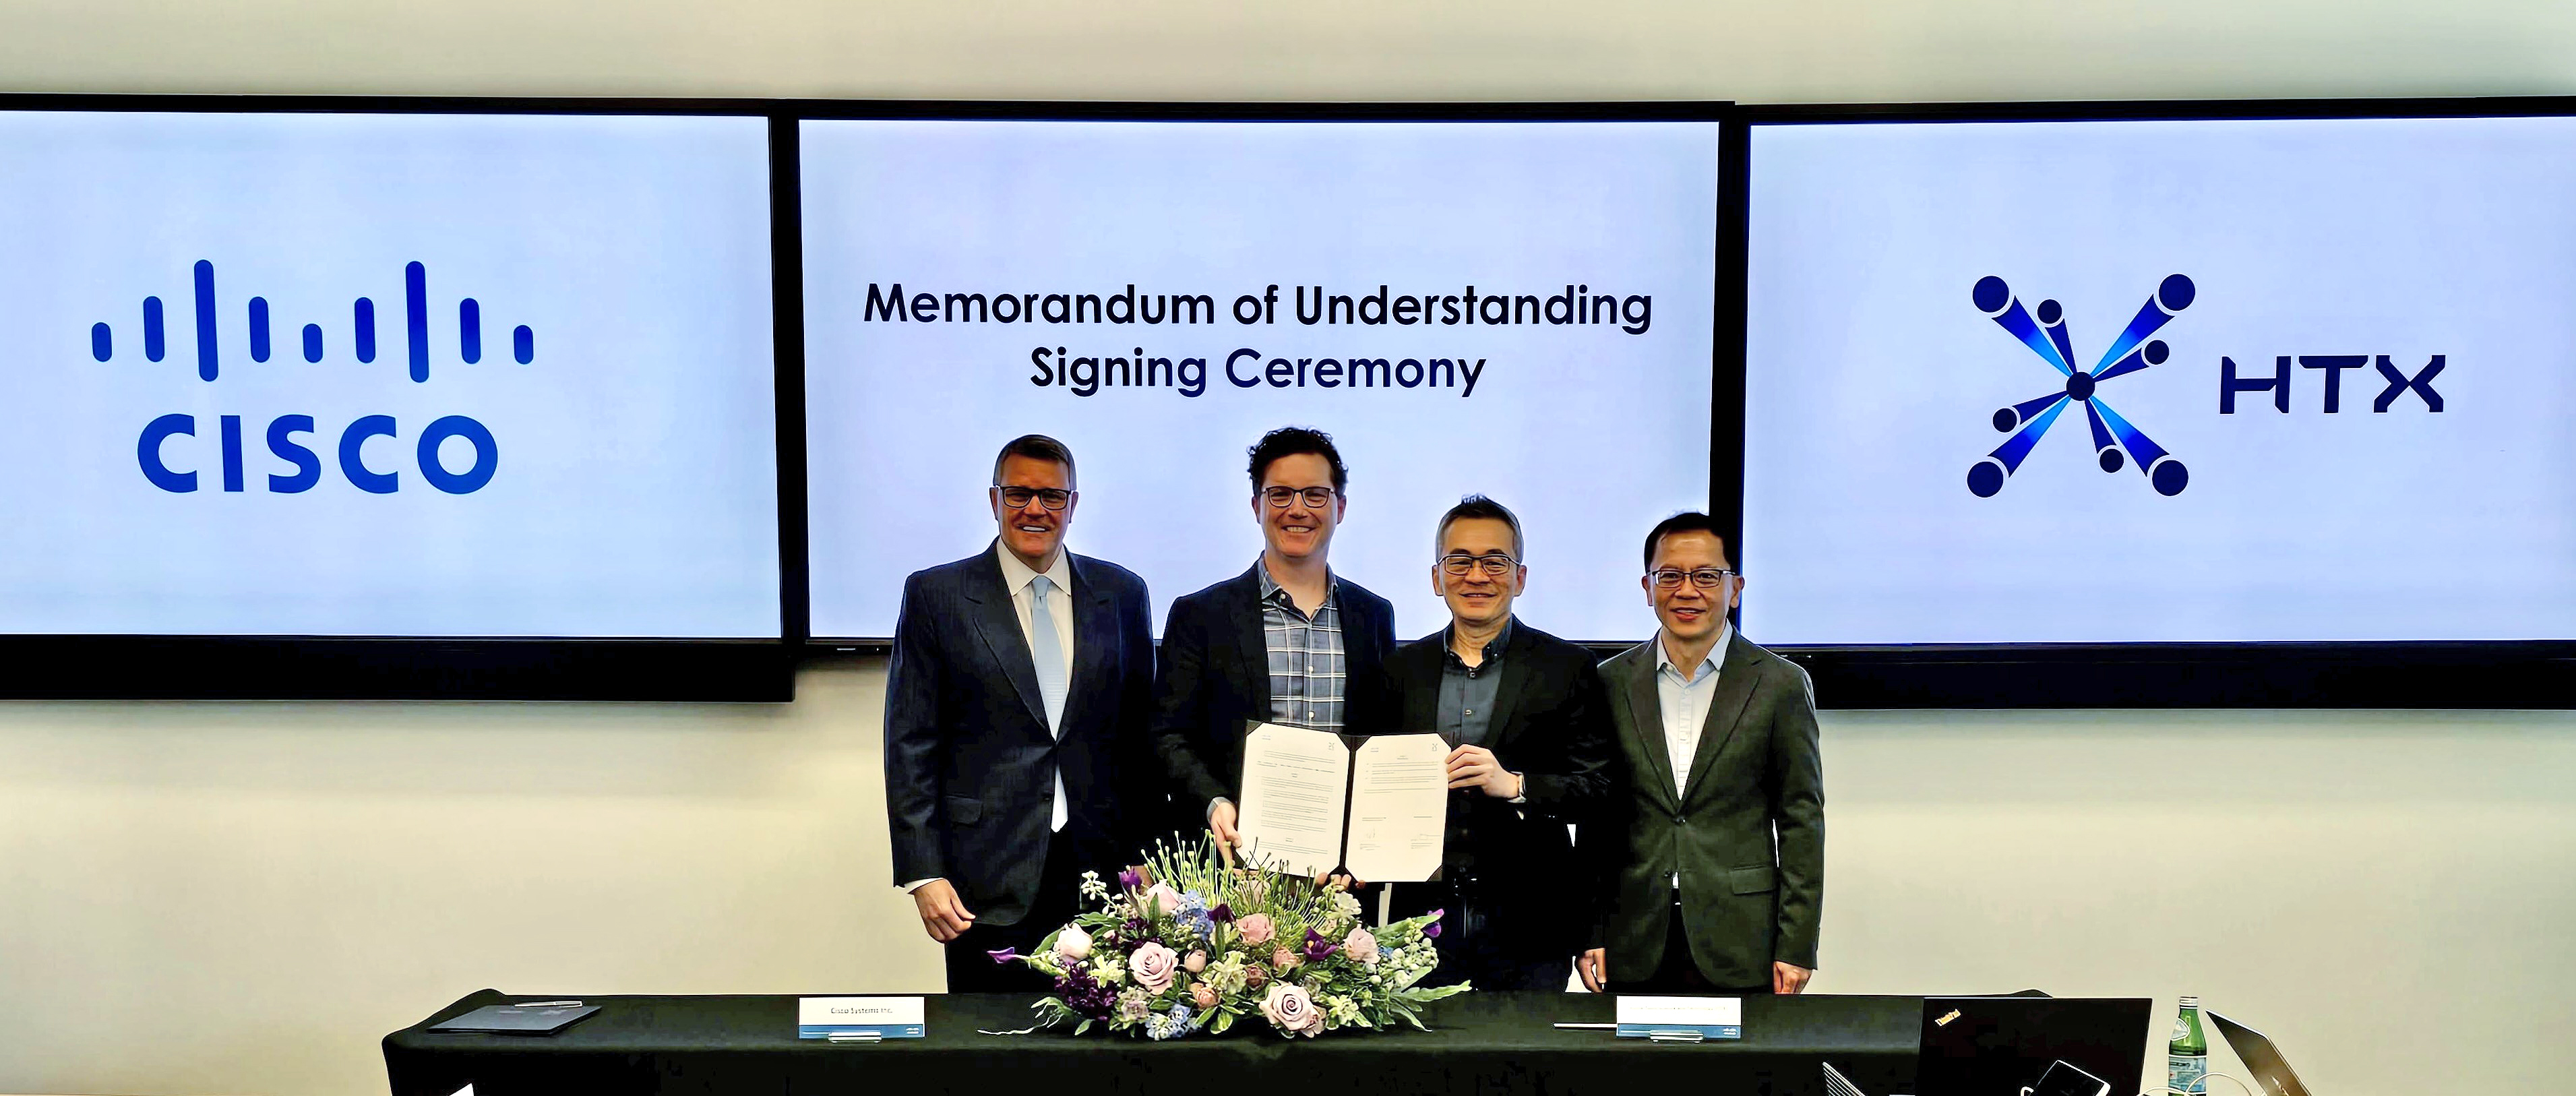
pixel 1196 962
pixel 1256 929
pixel 1164 898
pixel 1254 977
pixel 1201 995
pixel 1285 960
pixel 1360 947
pixel 1152 966
pixel 1291 1011
pixel 1073 943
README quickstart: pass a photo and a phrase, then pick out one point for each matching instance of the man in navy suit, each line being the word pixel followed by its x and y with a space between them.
pixel 1286 642
pixel 1016 714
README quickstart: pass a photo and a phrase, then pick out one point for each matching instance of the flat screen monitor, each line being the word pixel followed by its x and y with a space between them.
pixel 2201 380
pixel 399 374
pixel 1520 307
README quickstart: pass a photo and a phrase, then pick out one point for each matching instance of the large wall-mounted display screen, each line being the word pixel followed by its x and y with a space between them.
pixel 357 375
pixel 2161 381
pixel 1517 308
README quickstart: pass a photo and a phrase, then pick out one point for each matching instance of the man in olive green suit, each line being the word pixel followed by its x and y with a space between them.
pixel 1713 849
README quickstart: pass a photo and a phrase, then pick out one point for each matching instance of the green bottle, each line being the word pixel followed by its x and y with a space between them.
pixel 2187 1056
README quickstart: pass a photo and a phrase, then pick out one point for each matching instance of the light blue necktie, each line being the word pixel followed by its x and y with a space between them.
pixel 1047 651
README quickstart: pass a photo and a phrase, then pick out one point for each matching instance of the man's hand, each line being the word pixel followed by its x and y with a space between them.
pixel 1475 767
pixel 1593 965
pixel 1787 978
pixel 942 915
pixel 1221 816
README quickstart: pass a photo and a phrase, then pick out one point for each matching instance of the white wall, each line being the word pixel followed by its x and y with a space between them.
pixel 270 888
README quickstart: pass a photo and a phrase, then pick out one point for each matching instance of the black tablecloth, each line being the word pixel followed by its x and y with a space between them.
pixel 1486 1044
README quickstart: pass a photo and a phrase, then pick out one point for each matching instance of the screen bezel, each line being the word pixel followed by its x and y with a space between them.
pixel 2428 674
pixel 314 667
pixel 1727 313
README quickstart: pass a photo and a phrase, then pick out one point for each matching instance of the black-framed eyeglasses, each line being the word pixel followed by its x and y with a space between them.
pixel 1052 498
pixel 1279 497
pixel 1706 578
pixel 1495 564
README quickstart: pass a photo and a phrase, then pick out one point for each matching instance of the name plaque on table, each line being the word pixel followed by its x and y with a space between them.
pixel 858 1019
pixel 1681 1019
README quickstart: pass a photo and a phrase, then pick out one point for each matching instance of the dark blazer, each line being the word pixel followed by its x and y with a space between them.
pixel 1757 774
pixel 1215 675
pixel 969 764
pixel 1551 723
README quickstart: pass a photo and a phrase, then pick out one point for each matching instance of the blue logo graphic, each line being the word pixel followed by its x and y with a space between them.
pixel 2047 337
pixel 307 467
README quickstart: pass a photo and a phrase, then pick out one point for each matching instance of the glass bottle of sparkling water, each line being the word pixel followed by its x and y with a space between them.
pixel 2187 1056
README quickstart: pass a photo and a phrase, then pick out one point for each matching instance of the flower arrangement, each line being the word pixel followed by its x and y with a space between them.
pixel 1193 944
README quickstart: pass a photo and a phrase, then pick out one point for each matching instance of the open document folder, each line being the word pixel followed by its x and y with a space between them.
pixel 1313 801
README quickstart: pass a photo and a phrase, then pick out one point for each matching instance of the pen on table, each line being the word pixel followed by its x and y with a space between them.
pixel 1591 1027
pixel 546 1004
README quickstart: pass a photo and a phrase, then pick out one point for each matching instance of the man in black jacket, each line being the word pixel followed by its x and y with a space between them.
pixel 1286 642
pixel 1526 717
pixel 1016 709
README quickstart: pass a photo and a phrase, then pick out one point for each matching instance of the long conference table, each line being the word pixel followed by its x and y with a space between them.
pixel 1485 1044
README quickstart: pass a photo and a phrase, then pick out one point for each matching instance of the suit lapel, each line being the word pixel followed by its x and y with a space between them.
pixel 1736 676
pixel 1095 636
pixel 1252 644
pixel 1646 725
pixel 999 625
pixel 1516 680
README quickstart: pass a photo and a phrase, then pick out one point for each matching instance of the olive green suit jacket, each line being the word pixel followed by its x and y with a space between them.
pixel 1746 833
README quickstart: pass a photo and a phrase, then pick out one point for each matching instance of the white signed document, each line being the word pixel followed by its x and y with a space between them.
pixel 1399 808
pixel 1310 804
pixel 1294 786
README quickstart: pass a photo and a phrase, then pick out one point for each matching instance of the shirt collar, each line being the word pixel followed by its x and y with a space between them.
pixel 1493 649
pixel 1016 575
pixel 1716 654
pixel 1271 590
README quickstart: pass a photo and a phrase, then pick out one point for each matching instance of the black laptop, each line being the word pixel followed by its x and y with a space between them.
pixel 2032 1046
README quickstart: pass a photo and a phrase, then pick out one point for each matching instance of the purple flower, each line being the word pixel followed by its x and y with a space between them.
pixel 1431 929
pixel 1005 955
pixel 1223 914
pixel 1129 880
pixel 1318 945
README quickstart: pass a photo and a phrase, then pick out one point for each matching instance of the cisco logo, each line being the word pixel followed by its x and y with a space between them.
pixel 2112 435
pixel 155 452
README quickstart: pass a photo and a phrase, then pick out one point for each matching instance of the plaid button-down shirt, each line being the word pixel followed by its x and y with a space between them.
pixel 1306 661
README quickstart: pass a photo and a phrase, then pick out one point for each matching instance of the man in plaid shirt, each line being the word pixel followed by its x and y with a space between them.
pixel 1286 642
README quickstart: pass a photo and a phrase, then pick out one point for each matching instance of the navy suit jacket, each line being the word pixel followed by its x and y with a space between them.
pixel 1215 676
pixel 970 766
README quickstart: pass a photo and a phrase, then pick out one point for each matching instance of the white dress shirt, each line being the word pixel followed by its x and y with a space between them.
pixel 1684 706
pixel 1015 578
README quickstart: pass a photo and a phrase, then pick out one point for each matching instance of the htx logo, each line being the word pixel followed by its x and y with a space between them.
pixel 2129 353
pixel 2278 384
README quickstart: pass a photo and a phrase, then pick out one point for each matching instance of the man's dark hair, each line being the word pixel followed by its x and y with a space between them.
pixel 1289 441
pixel 1478 506
pixel 1035 447
pixel 1691 521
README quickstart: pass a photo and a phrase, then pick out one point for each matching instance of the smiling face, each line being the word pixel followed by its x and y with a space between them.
pixel 1477 599
pixel 1033 532
pixel 1690 614
pixel 1300 530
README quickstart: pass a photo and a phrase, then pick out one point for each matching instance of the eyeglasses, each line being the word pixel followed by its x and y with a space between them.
pixel 1706 578
pixel 1496 565
pixel 1279 497
pixel 1017 498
